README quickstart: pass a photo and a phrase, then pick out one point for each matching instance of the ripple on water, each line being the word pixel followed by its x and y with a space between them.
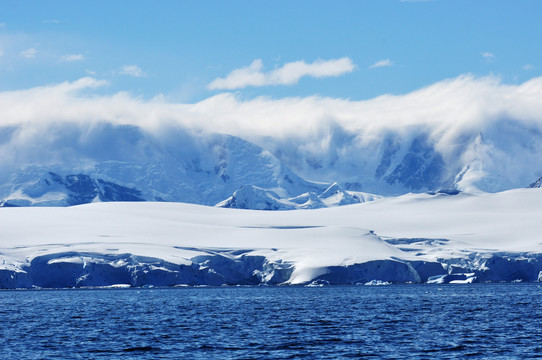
pixel 415 321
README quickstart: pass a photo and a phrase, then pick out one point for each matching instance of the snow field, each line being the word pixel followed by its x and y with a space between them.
pixel 480 233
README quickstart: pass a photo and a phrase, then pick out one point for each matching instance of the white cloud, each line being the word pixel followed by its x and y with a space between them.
pixel 29 53
pixel 459 103
pixel 2 25
pixel 288 74
pixel 132 70
pixel 452 113
pixel 381 63
pixel 71 58
pixel 1 53
pixel 528 67
pixel 487 55
pixel 51 21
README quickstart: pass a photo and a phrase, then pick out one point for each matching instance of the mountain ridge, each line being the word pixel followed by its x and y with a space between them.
pixel 173 163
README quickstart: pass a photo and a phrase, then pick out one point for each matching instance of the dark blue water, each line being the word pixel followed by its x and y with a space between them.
pixel 398 321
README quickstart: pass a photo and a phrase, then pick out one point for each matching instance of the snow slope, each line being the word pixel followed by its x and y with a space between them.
pixel 412 238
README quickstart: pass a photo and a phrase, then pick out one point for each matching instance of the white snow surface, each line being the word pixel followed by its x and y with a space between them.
pixel 412 227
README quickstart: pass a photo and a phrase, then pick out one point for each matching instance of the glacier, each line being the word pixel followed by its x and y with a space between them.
pixel 414 238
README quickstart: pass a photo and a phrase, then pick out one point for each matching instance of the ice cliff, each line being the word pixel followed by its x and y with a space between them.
pixel 418 238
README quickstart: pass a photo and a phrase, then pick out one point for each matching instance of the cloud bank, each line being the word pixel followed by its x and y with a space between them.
pixel 71 58
pixel 289 74
pixel 381 63
pixel 487 55
pixel 458 103
pixel 28 53
pixel 132 70
pixel 494 127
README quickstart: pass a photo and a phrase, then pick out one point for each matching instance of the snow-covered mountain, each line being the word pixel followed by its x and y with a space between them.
pixel 252 197
pixel 127 163
pixel 61 146
pixel 506 155
pixel 70 164
pixel 419 238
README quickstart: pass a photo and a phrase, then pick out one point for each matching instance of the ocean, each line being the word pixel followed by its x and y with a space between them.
pixel 274 322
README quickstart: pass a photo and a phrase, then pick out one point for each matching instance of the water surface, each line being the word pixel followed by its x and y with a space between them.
pixel 397 321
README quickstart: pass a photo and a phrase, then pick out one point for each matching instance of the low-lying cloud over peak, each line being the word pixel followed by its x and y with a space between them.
pixel 492 127
pixel 288 74
pixel 458 103
pixel 381 63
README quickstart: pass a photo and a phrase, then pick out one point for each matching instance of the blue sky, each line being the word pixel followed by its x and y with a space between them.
pixel 349 49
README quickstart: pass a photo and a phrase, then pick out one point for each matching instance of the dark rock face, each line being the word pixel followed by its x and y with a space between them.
pixel 7 204
pixel 389 149
pixel 444 192
pixel 83 189
pixel 421 167
pixel 536 184
pixel 112 192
